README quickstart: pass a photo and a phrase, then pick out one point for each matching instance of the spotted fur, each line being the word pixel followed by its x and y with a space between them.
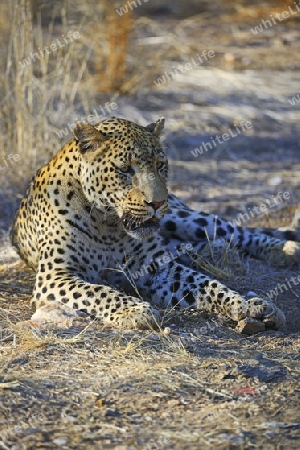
pixel 99 213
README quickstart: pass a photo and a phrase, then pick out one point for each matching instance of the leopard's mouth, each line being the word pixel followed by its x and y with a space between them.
pixel 139 228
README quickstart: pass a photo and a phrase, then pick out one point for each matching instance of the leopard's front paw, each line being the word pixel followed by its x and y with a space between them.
pixel 267 312
pixel 134 316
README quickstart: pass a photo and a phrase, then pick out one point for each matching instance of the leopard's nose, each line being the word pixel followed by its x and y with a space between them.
pixel 155 205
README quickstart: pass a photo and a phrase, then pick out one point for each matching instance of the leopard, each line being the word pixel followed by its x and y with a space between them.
pixel 107 240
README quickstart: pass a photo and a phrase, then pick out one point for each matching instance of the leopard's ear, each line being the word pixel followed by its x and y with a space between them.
pixel 157 127
pixel 88 138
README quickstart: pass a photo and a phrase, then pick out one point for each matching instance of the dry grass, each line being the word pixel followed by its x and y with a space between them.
pixel 30 96
pixel 220 259
pixel 193 382
pixel 98 387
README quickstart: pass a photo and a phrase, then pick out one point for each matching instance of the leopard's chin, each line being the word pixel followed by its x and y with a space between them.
pixel 140 229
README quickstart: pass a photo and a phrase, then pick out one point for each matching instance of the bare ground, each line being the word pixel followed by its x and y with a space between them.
pixel 196 383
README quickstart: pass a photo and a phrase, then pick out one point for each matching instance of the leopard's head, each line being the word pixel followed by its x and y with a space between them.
pixel 124 170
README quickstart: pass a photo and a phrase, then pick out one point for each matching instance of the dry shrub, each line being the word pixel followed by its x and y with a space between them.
pixel 111 61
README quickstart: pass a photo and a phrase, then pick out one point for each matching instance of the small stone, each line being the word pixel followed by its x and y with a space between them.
pixel 251 294
pixel 167 331
pixel 60 441
pixel 112 413
pixel 275 181
pixel 100 402
pixel 69 419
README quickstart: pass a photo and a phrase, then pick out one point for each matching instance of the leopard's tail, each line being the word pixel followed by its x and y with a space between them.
pixel 282 233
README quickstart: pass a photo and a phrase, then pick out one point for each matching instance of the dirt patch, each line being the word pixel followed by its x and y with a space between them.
pixel 194 383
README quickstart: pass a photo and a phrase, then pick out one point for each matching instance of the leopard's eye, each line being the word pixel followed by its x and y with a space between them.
pixel 129 170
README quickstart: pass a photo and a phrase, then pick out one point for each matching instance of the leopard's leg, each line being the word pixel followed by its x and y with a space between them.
pixel 60 286
pixel 177 285
pixel 186 225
